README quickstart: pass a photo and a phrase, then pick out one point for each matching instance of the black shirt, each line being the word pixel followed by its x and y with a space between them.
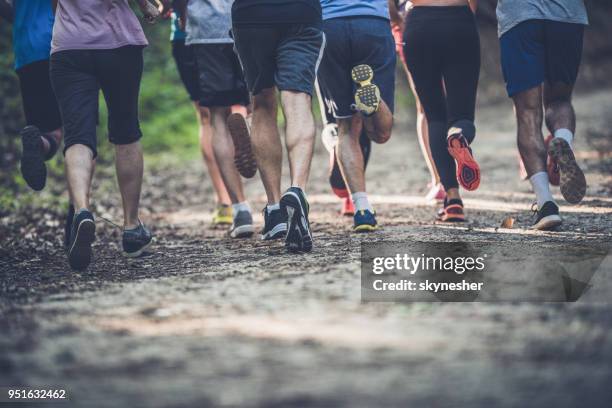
pixel 274 12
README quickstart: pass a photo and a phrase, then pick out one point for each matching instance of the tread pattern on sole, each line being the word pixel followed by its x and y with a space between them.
pixel 32 166
pixel 572 181
pixel 468 170
pixel 244 159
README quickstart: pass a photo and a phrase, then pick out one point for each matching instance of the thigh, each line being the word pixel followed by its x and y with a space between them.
pixel 425 65
pixel 256 50
pixel 563 43
pixel 298 55
pixel 461 71
pixel 39 103
pixel 374 45
pixel 523 56
pixel 186 66
pixel 334 74
pixel 220 82
pixel 76 89
pixel 119 72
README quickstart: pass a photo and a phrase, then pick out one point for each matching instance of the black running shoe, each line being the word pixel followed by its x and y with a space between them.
pixel 68 225
pixel 242 227
pixel 136 240
pixel 275 224
pixel 572 181
pixel 33 168
pixel 547 217
pixel 294 204
pixel 82 235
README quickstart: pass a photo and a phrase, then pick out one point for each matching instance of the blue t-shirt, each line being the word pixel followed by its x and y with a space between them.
pixel 353 8
pixel 176 34
pixel 32 31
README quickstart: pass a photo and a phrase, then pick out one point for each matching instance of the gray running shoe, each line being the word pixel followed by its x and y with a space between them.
pixel 242 226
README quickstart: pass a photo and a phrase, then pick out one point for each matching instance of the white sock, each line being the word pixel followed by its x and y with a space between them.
pixel 243 206
pixel 361 201
pixel 272 207
pixel 565 134
pixel 541 188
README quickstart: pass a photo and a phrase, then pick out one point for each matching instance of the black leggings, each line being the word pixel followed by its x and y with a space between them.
pixel 442 51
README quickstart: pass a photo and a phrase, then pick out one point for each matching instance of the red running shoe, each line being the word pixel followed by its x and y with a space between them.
pixel 468 171
pixel 451 212
pixel 348 208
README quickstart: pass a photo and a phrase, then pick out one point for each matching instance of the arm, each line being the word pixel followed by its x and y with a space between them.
pixel 396 18
pixel 6 11
pixel 473 5
pixel 181 9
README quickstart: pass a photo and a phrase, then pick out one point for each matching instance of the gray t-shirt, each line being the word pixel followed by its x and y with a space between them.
pixel 209 22
pixel 512 12
pixel 95 25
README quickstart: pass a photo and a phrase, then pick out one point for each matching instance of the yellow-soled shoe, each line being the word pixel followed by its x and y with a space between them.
pixel 367 96
pixel 365 221
pixel 223 215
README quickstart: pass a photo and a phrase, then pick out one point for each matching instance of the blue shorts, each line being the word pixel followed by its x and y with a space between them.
pixel 537 51
pixel 352 41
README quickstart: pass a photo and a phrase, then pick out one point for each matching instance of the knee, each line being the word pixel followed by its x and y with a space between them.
pixel 205 116
pixel 383 135
pixel 265 100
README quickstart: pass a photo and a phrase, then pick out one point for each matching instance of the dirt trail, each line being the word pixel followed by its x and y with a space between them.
pixel 205 320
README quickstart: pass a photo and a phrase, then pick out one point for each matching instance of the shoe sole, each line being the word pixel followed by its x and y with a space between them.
pixel 243 153
pixel 278 232
pixel 33 168
pixel 548 223
pixel 552 168
pixel 244 231
pixel 572 181
pixel 468 171
pixel 367 92
pixel 137 253
pixel 80 253
pixel 365 228
pixel 299 237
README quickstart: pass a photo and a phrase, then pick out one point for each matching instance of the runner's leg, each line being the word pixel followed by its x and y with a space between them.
pixel 267 145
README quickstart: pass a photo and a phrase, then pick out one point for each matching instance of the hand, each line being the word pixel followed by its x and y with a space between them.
pixel 149 11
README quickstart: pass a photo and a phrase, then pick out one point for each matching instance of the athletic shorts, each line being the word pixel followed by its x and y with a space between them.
pixel 79 75
pixel 220 78
pixel 187 69
pixel 537 51
pixel 285 56
pixel 39 103
pixel 353 41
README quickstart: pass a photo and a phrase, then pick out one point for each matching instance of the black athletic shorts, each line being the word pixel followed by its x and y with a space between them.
pixel 187 68
pixel 221 81
pixel 78 76
pixel 39 103
pixel 353 41
pixel 285 56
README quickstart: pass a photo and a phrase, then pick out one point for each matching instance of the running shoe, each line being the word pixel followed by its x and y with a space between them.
pixel 82 235
pixel 364 221
pixel 436 194
pixel 468 172
pixel 136 240
pixel 367 96
pixel 547 217
pixel 299 236
pixel 68 225
pixel 452 211
pixel 329 137
pixel 348 208
pixel 222 215
pixel 572 181
pixel 33 168
pixel 242 227
pixel 275 224
pixel 552 167
pixel 243 152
